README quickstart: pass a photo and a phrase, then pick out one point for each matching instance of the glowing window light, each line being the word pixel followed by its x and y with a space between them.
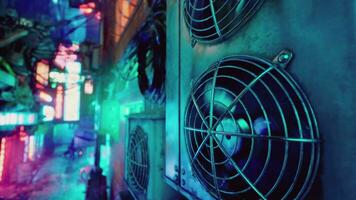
pixel 25 153
pixel 88 87
pixel 31 119
pixel 98 16
pixel 57 77
pixel 65 55
pixel 42 70
pixel 22 133
pixel 45 97
pixel 12 118
pixel 87 8
pixel 59 103
pixel 2 156
pixel 72 92
pixel 74 67
pixel 31 148
pixel 73 78
pixel 48 112
pixel 18 118
pixel 72 103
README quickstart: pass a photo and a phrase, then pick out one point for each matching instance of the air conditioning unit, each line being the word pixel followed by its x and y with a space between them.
pixel 249 132
pixel 215 21
pixel 144 160
pixel 239 123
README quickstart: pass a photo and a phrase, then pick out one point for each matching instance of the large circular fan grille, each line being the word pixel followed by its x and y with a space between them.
pixel 138 161
pixel 251 132
pixel 212 21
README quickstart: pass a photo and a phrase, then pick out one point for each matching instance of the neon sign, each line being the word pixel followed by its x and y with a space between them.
pixel 66 55
pixel 72 92
pixel 17 118
pixel 42 71
pixel 88 86
pixel 48 112
pixel 2 156
pixel 45 96
pixel 59 103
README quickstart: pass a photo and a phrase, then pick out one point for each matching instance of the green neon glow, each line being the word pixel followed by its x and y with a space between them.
pixel 105 155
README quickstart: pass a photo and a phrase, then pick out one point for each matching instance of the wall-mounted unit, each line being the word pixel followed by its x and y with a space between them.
pixel 242 128
pixel 214 21
pixel 144 160
pixel 249 132
pixel 137 162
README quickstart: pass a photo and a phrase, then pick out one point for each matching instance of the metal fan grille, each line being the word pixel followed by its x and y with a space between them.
pixel 138 161
pixel 251 132
pixel 212 21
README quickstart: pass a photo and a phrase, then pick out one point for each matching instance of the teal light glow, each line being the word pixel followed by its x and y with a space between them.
pixel 130 108
pixel 105 155
pixel 243 125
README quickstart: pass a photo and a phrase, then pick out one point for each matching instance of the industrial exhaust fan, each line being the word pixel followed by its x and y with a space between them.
pixel 145 157
pixel 214 21
pixel 137 163
pixel 250 131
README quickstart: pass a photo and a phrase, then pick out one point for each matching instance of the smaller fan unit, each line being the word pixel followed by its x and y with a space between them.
pixel 137 161
pixel 213 21
pixel 145 158
pixel 250 132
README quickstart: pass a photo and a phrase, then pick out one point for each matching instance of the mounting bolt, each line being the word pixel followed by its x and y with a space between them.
pixel 183 171
pixel 194 42
pixel 283 58
pixel 183 182
pixel 176 169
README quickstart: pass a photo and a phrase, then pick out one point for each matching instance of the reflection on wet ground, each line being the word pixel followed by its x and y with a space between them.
pixel 56 177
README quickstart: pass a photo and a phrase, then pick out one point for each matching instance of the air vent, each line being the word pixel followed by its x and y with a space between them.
pixel 213 21
pixel 137 161
pixel 250 131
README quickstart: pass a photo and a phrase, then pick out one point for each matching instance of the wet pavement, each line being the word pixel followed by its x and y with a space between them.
pixel 54 178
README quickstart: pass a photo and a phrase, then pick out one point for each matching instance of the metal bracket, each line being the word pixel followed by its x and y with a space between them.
pixel 193 43
pixel 283 58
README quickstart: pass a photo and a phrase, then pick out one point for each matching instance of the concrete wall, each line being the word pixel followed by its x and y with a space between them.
pixel 322 36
